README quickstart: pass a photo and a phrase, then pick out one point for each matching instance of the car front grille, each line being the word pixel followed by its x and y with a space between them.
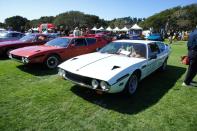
pixel 17 57
pixel 78 78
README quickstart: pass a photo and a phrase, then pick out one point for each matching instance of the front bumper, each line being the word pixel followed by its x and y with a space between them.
pixel 81 80
pixel 21 59
pixel 86 82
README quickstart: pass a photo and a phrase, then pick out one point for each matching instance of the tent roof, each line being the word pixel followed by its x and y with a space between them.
pixel 116 29
pixel 2 29
pixel 124 29
pixel 101 28
pixel 109 28
pixel 136 27
pixel 94 28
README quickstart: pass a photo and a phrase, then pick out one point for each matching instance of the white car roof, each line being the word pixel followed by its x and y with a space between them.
pixel 136 41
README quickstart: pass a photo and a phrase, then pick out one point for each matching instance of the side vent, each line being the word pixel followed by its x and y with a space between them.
pixel 74 59
pixel 115 67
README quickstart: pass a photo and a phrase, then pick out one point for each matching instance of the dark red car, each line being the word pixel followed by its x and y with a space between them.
pixel 57 50
pixel 28 40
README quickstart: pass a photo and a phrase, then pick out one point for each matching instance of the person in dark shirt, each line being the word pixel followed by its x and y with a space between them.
pixel 192 54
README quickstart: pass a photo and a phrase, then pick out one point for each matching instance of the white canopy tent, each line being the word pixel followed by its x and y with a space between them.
pixel 124 29
pixel 94 29
pixel 33 29
pixel 109 28
pixel 136 27
pixel 101 28
pixel 135 30
pixel 116 29
pixel 2 29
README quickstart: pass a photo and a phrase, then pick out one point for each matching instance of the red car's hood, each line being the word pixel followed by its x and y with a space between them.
pixel 10 42
pixel 32 50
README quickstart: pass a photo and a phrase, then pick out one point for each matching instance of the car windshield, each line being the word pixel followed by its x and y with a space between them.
pixel 59 42
pixel 127 49
pixel 29 37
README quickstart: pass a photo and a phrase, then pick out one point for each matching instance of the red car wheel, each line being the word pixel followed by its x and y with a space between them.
pixel 52 62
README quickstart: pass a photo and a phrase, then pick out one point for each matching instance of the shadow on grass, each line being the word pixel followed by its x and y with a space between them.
pixel 3 57
pixel 149 92
pixel 37 69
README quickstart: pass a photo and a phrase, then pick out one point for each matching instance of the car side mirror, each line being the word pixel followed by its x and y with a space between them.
pixel 154 56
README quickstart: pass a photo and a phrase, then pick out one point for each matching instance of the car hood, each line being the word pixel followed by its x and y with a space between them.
pixel 99 65
pixel 10 42
pixel 32 50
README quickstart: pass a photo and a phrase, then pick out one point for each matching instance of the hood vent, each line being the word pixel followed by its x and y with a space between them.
pixel 115 67
pixel 37 51
pixel 74 59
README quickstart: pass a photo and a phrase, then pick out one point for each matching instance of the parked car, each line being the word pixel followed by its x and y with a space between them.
pixel 57 50
pixel 155 37
pixel 10 35
pixel 29 40
pixel 2 30
pixel 118 66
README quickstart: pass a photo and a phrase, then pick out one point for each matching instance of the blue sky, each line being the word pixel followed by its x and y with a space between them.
pixel 106 9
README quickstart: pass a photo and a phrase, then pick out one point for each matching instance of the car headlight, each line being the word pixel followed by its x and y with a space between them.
pixel 104 85
pixel 62 73
pixel 95 84
pixel 25 60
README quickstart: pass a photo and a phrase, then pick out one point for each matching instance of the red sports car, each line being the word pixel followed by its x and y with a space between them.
pixel 29 40
pixel 57 50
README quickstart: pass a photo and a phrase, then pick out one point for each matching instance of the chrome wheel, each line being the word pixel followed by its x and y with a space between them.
pixel 133 83
pixel 52 62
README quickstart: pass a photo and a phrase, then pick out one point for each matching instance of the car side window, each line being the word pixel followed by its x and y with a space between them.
pixel 153 49
pixel 41 38
pixel 9 35
pixel 79 42
pixel 15 35
pixel 161 46
pixel 21 35
pixel 91 41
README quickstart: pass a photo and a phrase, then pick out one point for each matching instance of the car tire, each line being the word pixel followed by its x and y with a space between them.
pixel 132 84
pixel 52 61
pixel 164 66
pixel 8 52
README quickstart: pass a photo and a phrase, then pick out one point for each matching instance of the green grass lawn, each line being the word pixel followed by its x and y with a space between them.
pixel 33 98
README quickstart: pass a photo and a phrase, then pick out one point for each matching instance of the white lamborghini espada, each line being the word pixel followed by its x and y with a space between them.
pixel 118 66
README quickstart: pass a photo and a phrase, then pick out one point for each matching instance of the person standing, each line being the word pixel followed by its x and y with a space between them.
pixel 171 36
pixel 192 54
pixel 76 32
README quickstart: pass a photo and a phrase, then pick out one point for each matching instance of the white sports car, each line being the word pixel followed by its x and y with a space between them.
pixel 118 66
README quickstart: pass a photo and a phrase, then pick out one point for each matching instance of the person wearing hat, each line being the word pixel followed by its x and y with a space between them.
pixel 192 54
pixel 76 31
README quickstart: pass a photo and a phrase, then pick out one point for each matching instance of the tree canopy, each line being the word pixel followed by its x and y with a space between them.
pixel 177 18
pixel 16 22
pixel 73 19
